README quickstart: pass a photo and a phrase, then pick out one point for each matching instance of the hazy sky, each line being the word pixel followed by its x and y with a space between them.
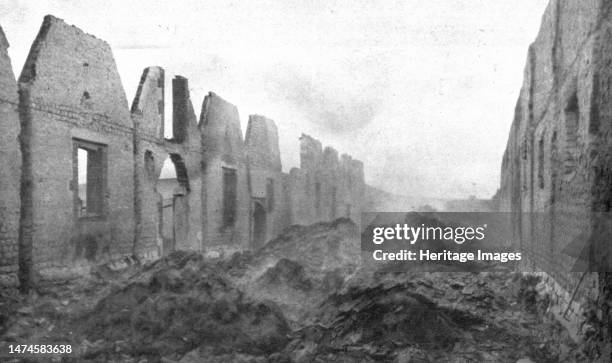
pixel 422 91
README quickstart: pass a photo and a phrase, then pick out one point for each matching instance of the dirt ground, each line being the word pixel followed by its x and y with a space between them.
pixel 304 297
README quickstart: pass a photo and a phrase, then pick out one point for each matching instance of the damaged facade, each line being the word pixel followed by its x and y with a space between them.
pixel 10 162
pixel 85 187
pixel 556 174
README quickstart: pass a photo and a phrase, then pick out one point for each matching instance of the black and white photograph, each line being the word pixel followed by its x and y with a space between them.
pixel 284 181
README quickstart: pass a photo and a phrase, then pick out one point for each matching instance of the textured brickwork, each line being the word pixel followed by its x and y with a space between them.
pixel 556 168
pixel 223 152
pixel 70 90
pixel 324 187
pixel 149 155
pixel 10 162
pixel 186 154
pixel 151 149
pixel 265 180
pixel 82 186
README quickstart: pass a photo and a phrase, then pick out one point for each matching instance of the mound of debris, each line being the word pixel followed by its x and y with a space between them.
pixel 176 305
pixel 304 297
pixel 298 269
pixel 373 323
pixel 319 247
pixel 428 317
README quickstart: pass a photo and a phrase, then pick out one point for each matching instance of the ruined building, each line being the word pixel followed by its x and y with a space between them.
pixel 80 177
pixel 556 177
pixel 10 163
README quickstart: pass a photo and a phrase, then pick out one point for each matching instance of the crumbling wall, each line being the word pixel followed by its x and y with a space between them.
pixel 354 186
pixel 311 153
pixel 71 93
pixel 330 177
pixel 88 190
pixel 265 179
pixel 185 149
pixel 300 198
pixel 148 117
pixel 225 192
pixel 553 168
pixel 10 164
pixel 325 187
pixel 150 151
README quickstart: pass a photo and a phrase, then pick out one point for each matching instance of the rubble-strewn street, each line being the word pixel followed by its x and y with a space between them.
pixel 318 306
pixel 319 181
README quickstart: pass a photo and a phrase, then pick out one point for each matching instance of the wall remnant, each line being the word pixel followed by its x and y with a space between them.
pixel 225 193
pixel 555 176
pixel 72 99
pixel 90 189
pixel 265 180
pixel 10 164
pixel 324 188
pixel 151 148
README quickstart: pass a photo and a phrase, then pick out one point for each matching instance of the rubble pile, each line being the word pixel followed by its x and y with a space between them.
pixel 439 317
pixel 319 247
pixel 304 297
pixel 178 304
pixel 298 269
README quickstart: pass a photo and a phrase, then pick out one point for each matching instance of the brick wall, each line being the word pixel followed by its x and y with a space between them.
pixel 70 90
pixel 72 111
pixel 222 148
pixel 151 150
pixel 149 154
pixel 10 162
pixel 555 173
pixel 265 178
pixel 325 187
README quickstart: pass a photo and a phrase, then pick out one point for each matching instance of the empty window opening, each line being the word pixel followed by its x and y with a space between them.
pixel 230 186
pixel 270 194
pixel 173 189
pixel 86 100
pixel 174 168
pixel 181 171
pixel 149 164
pixel 259 226
pixel 91 178
pixel 541 163
pixel 333 203
pixel 554 165
pixel 524 175
pixel 317 196
pixel 572 121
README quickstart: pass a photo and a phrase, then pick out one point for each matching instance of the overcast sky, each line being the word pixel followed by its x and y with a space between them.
pixel 422 91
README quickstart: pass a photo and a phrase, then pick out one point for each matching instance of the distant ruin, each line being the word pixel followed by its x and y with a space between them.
pixel 556 173
pixel 69 105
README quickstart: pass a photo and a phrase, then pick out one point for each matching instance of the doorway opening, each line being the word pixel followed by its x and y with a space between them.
pixel 173 186
pixel 258 225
